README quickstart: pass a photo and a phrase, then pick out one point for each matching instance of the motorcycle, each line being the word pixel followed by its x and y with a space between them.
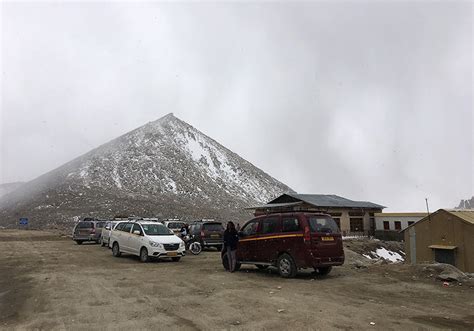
pixel 192 244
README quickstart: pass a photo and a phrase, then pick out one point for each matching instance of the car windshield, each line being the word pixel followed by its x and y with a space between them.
pixel 175 225
pixel 213 227
pixel 156 230
pixel 323 224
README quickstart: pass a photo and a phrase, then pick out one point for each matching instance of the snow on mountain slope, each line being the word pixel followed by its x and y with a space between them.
pixel 165 167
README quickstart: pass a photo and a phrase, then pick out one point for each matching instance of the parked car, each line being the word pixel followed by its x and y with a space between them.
pixel 106 231
pixel 174 225
pixel 89 229
pixel 290 241
pixel 208 233
pixel 147 240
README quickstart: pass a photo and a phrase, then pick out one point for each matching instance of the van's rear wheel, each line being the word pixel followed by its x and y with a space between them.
pixel 322 271
pixel 116 250
pixel 144 255
pixel 286 266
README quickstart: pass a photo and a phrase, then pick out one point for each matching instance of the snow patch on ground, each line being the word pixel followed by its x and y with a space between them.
pixel 389 255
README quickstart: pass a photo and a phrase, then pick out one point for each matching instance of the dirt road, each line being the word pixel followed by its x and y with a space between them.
pixel 48 282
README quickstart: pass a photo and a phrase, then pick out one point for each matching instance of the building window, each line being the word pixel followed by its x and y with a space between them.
pixel 411 223
pixel 357 224
pixel 398 225
pixel 386 225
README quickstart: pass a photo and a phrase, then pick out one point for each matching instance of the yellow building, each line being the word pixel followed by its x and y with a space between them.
pixel 446 236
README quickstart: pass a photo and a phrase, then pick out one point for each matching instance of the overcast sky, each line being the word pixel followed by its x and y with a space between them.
pixel 367 100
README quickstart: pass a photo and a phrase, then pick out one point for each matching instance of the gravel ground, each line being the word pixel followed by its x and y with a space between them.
pixel 48 282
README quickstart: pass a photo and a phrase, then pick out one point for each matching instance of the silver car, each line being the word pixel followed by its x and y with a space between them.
pixel 106 231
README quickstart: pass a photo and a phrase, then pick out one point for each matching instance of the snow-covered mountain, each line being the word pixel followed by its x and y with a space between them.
pixel 165 168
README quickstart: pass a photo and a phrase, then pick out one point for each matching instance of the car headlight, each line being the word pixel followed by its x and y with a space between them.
pixel 155 244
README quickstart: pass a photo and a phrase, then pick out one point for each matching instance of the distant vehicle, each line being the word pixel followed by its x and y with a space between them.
pixel 290 241
pixel 89 229
pixel 106 231
pixel 147 240
pixel 208 232
pixel 174 225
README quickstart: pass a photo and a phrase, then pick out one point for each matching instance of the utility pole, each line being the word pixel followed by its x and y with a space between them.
pixel 428 210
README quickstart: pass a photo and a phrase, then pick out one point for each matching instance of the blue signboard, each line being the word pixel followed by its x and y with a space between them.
pixel 23 221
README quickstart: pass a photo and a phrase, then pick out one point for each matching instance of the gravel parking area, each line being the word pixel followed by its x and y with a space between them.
pixel 49 282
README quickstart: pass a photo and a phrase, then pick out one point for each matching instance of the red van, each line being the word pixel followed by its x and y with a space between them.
pixel 290 241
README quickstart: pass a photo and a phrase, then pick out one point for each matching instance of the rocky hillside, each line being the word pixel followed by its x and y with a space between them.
pixel 165 168
pixel 466 204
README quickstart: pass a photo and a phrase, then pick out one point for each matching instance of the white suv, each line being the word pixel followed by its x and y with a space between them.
pixel 146 239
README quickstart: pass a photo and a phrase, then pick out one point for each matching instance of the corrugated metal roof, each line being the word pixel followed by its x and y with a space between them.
pixel 465 214
pixel 334 201
pixel 276 205
pixel 416 214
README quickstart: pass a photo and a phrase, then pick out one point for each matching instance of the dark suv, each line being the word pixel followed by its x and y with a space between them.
pixel 290 241
pixel 208 233
pixel 89 229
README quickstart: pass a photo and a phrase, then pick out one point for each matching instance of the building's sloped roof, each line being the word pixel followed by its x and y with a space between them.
pixel 276 205
pixel 415 214
pixel 465 214
pixel 331 200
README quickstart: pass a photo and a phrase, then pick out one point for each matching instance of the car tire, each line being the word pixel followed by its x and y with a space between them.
pixel 195 248
pixel 286 266
pixel 323 271
pixel 116 250
pixel 262 266
pixel 176 259
pixel 144 255
pixel 79 242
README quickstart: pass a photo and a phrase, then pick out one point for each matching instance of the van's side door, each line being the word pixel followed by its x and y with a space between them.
pixel 268 243
pixel 247 241
pixel 136 240
pixel 124 240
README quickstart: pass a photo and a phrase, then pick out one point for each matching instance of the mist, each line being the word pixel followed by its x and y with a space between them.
pixel 367 100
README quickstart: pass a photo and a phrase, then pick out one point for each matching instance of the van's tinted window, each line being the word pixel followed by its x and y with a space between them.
pixel 323 224
pixel 212 227
pixel 290 225
pixel 137 227
pixel 270 225
pixel 127 227
pixel 250 228
pixel 119 226
pixel 85 225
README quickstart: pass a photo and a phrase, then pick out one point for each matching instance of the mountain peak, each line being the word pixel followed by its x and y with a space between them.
pixel 165 168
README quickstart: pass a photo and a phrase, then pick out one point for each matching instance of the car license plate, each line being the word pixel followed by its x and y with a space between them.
pixel 327 238
pixel 215 236
pixel 172 253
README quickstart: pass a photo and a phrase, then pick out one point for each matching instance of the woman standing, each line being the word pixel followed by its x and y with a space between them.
pixel 231 238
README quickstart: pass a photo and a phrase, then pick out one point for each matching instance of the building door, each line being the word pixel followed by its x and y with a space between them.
pixel 445 256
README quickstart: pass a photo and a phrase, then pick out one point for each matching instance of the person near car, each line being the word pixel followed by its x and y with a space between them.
pixel 231 239
pixel 184 231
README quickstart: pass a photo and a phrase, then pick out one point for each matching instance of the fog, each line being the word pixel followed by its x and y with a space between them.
pixel 367 100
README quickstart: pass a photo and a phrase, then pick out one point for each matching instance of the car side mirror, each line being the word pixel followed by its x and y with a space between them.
pixel 136 232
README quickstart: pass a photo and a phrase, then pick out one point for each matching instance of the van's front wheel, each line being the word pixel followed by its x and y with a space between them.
pixel 144 255
pixel 286 266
